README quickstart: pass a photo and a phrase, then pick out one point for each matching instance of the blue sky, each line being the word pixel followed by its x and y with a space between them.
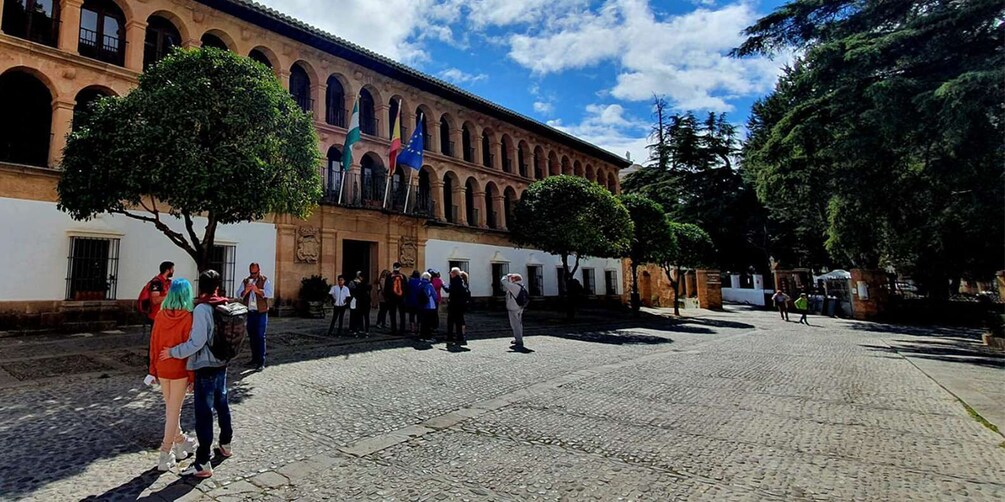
pixel 588 67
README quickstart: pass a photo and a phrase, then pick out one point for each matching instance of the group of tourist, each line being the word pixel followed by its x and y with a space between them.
pixel 188 353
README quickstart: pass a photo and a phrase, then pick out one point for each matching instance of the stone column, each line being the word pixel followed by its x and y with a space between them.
pixel 496 151
pixel 500 210
pixel 462 205
pixel 353 178
pixel 407 125
pixel 456 136
pixel 479 197
pixel 383 127
pixel 69 25
pixel 62 122
pixel 320 106
pixel 136 34
pixel 284 78
pixel 476 144
pixel 709 289
pixel 439 212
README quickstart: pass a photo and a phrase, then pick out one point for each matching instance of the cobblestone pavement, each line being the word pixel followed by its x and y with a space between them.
pixel 726 406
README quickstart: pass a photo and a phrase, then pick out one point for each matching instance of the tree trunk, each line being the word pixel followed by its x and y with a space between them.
pixel 636 299
pixel 676 293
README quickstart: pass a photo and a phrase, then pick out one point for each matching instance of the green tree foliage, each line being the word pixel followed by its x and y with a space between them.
pixel 572 216
pixel 692 249
pixel 692 174
pixel 652 236
pixel 883 140
pixel 206 133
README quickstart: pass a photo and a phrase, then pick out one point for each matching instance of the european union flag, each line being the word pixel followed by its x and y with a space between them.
pixel 411 156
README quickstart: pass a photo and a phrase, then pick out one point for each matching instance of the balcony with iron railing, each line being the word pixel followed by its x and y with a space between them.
pixel 304 102
pixel 108 48
pixel 363 191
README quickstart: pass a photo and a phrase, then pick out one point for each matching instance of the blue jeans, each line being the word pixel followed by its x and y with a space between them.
pixel 257 322
pixel 210 394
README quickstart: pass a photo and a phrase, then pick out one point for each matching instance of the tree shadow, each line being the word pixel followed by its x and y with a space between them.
pixel 962 353
pixel 926 331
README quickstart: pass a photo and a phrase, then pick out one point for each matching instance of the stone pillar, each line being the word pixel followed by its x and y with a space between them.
pixel 383 128
pixel 69 25
pixel 320 106
pixel 709 289
pixel 462 205
pixel 476 144
pixel 439 212
pixel 457 138
pixel 195 43
pixel 284 77
pixel 407 125
pixel 136 34
pixel 690 284
pixel 479 197
pixel 500 209
pixel 285 282
pixel 496 151
pixel 354 179
pixel 62 122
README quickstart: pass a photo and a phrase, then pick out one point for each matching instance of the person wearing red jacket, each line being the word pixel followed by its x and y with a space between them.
pixel 172 327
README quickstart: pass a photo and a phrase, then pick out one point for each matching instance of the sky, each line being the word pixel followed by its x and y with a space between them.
pixel 587 67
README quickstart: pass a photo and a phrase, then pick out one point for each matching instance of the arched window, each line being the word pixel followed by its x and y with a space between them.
pixel 161 37
pixel 469 150
pixel 335 102
pixel 102 32
pixel 35 20
pixel 521 159
pixel 257 55
pixel 486 149
pixel 211 40
pixel 446 144
pixel 424 199
pixel 469 201
pixel 300 87
pixel 507 163
pixel 539 164
pixel 333 172
pixel 372 174
pixel 25 119
pixel 491 218
pixel 509 200
pixel 420 117
pixel 85 100
pixel 448 199
pixel 367 113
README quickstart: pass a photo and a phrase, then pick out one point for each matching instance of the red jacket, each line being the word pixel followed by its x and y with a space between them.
pixel 172 327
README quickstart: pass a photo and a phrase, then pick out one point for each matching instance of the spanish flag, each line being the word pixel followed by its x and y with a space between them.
pixel 395 141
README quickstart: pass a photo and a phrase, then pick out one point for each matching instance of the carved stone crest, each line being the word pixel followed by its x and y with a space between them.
pixel 308 244
pixel 408 250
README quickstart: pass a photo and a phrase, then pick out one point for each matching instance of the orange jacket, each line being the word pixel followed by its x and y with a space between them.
pixel 171 327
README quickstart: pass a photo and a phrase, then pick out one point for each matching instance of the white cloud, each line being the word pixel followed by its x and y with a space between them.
pixel 684 57
pixel 607 126
pixel 544 107
pixel 456 76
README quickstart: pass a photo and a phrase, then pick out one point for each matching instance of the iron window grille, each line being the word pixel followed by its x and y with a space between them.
pixel 223 260
pixel 92 268
pixel 611 280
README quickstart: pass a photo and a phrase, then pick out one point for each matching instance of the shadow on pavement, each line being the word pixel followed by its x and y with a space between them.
pixel 963 353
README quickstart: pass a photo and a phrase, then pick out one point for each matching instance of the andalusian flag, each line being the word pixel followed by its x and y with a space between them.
pixel 395 141
pixel 352 137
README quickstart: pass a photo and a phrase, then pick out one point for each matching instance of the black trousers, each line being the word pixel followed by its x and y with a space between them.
pixel 455 320
pixel 397 312
pixel 337 315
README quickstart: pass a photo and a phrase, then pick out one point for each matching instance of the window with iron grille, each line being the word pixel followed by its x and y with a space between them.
pixel 589 281
pixel 222 259
pixel 535 280
pixel 461 264
pixel 92 268
pixel 611 281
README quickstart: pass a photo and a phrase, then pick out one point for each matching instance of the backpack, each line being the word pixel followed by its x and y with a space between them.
pixel 522 298
pixel 143 303
pixel 230 328
pixel 398 285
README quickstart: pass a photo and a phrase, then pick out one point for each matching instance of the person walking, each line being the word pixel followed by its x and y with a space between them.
pixel 359 307
pixel 467 302
pixel 425 299
pixel 377 299
pixel 456 307
pixel 210 376
pixel 256 296
pixel 341 296
pixel 172 327
pixel 516 302
pixel 782 304
pixel 395 287
pixel 803 306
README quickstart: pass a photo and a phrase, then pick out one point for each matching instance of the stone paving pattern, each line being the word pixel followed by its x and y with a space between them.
pixel 734 405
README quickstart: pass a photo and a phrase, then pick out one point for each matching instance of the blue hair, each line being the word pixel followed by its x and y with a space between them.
pixel 179 297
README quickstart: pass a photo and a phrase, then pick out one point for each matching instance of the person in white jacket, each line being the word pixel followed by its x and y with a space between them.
pixel 513 284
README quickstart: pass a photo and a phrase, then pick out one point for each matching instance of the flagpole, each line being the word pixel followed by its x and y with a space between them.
pixel 408 190
pixel 341 188
pixel 390 176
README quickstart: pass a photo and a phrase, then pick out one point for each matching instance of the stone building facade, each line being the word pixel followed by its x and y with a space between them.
pixel 56 56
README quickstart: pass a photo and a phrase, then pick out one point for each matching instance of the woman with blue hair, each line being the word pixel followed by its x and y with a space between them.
pixel 172 326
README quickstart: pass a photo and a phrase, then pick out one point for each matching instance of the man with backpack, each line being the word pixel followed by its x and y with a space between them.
pixel 218 330
pixel 154 292
pixel 395 287
pixel 517 299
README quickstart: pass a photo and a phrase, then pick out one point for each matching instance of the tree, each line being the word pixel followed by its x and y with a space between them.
pixel 206 133
pixel 652 236
pixel 692 248
pixel 693 174
pixel 571 216
pixel 883 139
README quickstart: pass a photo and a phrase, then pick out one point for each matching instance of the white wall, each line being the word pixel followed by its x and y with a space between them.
pixel 748 296
pixel 35 243
pixel 480 258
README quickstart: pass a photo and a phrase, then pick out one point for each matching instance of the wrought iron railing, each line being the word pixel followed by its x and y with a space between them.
pixel 372 192
pixel 107 48
pixel 304 101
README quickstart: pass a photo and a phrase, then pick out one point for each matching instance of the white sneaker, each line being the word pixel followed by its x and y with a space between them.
pixel 199 471
pixel 166 461
pixel 226 450
pixel 184 449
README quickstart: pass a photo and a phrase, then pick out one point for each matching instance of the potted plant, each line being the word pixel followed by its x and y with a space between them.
pixel 313 292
